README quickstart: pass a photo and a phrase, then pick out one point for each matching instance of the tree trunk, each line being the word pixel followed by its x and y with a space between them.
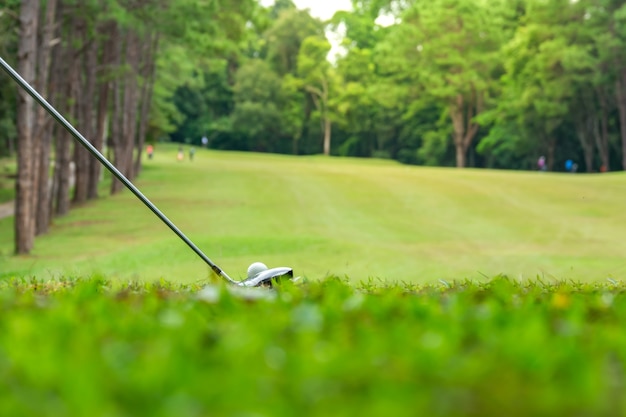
pixel 551 141
pixel 326 115
pixel 45 195
pixel 458 124
pixel 587 143
pixel 58 89
pixel 601 133
pixel 462 113
pixel 146 96
pixel 131 98
pixel 327 133
pixel 320 99
pixel 24 186
pixel 62 171
pixel 585 125
pixel 306 121
pixel 84 99
pixel 63 148
pixel 620 93
pixel 46 84
pixel 116 122
pixel 104 92
pixel 461 156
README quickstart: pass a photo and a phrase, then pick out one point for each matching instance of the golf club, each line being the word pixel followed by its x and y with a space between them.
pixel 261 277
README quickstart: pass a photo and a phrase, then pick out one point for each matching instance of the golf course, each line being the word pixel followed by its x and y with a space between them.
pixel 359 219
pixel 424 291
pixel 299 208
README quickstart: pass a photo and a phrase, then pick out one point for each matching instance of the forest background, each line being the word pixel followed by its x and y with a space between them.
pixel 466 83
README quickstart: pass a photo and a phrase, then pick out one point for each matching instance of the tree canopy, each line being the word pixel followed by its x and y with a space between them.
pixel 466 83
pixel 481 83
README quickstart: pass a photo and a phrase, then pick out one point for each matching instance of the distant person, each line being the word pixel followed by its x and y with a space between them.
pixel 569 164
pixel 150 151
pixel 181 154
pixel 205 141
pixel 192 152
pixel 541 163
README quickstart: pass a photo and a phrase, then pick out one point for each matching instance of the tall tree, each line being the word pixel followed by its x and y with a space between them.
pixel 314 71
pixel 108 29
pixel 547 69
pixel 605 20
pixel 25 204
pixel 9 28
pixel 147 74
pixel 450 49
pixel 88 58
pixel 43 123
pixel 127 96
pixel 68 89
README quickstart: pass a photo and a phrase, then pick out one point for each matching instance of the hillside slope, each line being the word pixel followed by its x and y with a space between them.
pixel 347 217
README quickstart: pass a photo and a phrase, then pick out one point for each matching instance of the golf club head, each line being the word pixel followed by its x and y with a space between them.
pixel 267 277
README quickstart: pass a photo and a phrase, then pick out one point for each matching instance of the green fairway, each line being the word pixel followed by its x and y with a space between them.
pixel 332 216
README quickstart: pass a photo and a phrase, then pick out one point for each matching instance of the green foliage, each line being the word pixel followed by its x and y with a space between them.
pixel 202 103
pixel 293 109
pixel 258 121
pixel 312 57
pixel 280 6
pixel 530 73
pixel 200 41
pixel 255 81
pixel 549 76
pixel 361 30
pixel 259 105
pixel 318 81
pixel 286 35
pixel 93 347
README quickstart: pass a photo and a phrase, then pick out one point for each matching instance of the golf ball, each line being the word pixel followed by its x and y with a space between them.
pixel 255 268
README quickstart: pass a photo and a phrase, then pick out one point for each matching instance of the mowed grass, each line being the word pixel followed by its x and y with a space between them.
pixel 343 217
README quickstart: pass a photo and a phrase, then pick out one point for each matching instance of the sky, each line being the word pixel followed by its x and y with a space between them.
pixel 324 9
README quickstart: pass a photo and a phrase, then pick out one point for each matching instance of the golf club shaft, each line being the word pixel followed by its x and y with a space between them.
pixel 95 152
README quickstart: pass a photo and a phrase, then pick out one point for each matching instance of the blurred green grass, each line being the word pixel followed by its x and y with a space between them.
pixel 492 348
pixel 337 216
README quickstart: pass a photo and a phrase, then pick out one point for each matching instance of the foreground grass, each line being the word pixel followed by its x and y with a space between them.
pixel 498 348
pixel 336 216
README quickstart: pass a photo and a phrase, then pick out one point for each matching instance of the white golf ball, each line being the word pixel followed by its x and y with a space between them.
pixel 255 268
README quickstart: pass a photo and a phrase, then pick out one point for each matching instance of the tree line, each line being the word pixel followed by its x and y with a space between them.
pixel 96 61
pixel 479 83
